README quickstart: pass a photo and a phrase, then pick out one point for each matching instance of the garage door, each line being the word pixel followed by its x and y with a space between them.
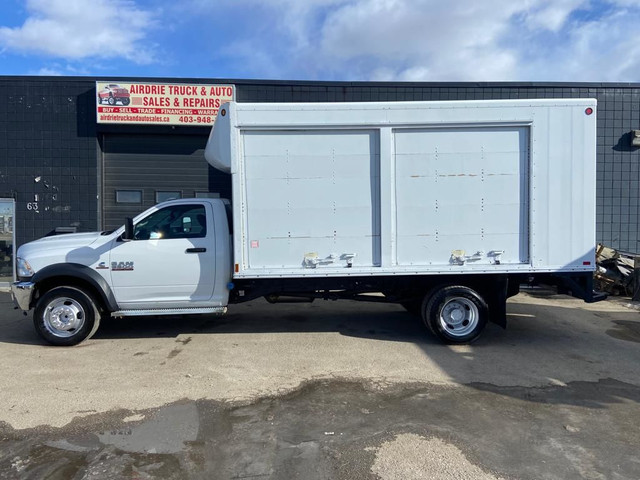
pixel 141 170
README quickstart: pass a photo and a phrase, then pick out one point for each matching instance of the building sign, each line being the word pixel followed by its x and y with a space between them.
pixel 160 103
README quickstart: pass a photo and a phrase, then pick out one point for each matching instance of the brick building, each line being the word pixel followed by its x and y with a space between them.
pixel 60 168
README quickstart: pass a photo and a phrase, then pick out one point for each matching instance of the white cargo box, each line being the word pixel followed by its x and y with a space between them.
pixel 409 188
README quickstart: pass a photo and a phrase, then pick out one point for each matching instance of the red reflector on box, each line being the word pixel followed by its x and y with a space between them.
pixel 586 263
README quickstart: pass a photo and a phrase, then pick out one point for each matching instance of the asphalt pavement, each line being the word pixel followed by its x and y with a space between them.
pixel 326 390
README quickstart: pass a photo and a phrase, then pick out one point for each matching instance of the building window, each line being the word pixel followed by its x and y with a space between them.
pixel 164 196
pixel 128 196
pixel 207 195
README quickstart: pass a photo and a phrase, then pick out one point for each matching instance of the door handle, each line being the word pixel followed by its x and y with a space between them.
pixel 196 250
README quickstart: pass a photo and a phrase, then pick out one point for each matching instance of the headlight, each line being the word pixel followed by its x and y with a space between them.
pixel 23 267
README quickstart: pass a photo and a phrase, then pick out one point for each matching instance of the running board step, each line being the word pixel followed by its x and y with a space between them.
pixel 169 311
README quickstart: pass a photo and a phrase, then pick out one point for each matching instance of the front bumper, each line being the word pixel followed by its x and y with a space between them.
pixel 22 293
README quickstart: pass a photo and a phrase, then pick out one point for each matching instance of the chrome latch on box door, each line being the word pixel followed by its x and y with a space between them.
pixel 497 256
pixel 458 257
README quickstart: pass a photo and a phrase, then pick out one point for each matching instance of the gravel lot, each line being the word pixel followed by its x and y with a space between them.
pixel 326 390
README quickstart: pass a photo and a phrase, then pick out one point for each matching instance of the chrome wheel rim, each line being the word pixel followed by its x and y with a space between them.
pixel 459 316
pixel 63 317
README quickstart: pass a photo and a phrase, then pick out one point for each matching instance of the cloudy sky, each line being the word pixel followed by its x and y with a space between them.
pixel 391 40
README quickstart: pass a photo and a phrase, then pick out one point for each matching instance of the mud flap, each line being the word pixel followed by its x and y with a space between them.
pixel 579 286
pixel 496 298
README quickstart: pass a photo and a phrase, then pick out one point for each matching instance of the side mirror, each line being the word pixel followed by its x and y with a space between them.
pixel 127 235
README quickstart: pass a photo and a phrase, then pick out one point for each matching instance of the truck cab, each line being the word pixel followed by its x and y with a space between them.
pixel 172 259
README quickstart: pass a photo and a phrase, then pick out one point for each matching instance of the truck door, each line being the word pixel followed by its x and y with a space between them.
pixel 170 263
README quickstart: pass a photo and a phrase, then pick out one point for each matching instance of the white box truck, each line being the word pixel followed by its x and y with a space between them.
pixel 443 207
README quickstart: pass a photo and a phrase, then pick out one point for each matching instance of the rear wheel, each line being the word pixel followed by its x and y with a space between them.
pixel 66 316
pixel 455 314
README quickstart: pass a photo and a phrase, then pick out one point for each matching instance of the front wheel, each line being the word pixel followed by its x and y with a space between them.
pixel 66 316
pixel 455 314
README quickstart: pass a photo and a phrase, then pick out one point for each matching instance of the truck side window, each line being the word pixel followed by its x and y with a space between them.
pixel 176 221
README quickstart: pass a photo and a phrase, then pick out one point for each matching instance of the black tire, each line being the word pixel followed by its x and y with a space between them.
pixel 125 101
pixel 112 101
pixel 455 314
pixel 66 316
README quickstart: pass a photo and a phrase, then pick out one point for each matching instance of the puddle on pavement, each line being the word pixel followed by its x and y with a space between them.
pixel 625 330
pixel 334 429
pixel 167 431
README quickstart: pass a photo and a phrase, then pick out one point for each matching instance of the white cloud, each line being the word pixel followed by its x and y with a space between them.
pixel 431 40
pixel 551 14
pixel 56 69
pixel 423 39
pixel 77 29
pixel 385 40
pixel 602 50
pixel 49 72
